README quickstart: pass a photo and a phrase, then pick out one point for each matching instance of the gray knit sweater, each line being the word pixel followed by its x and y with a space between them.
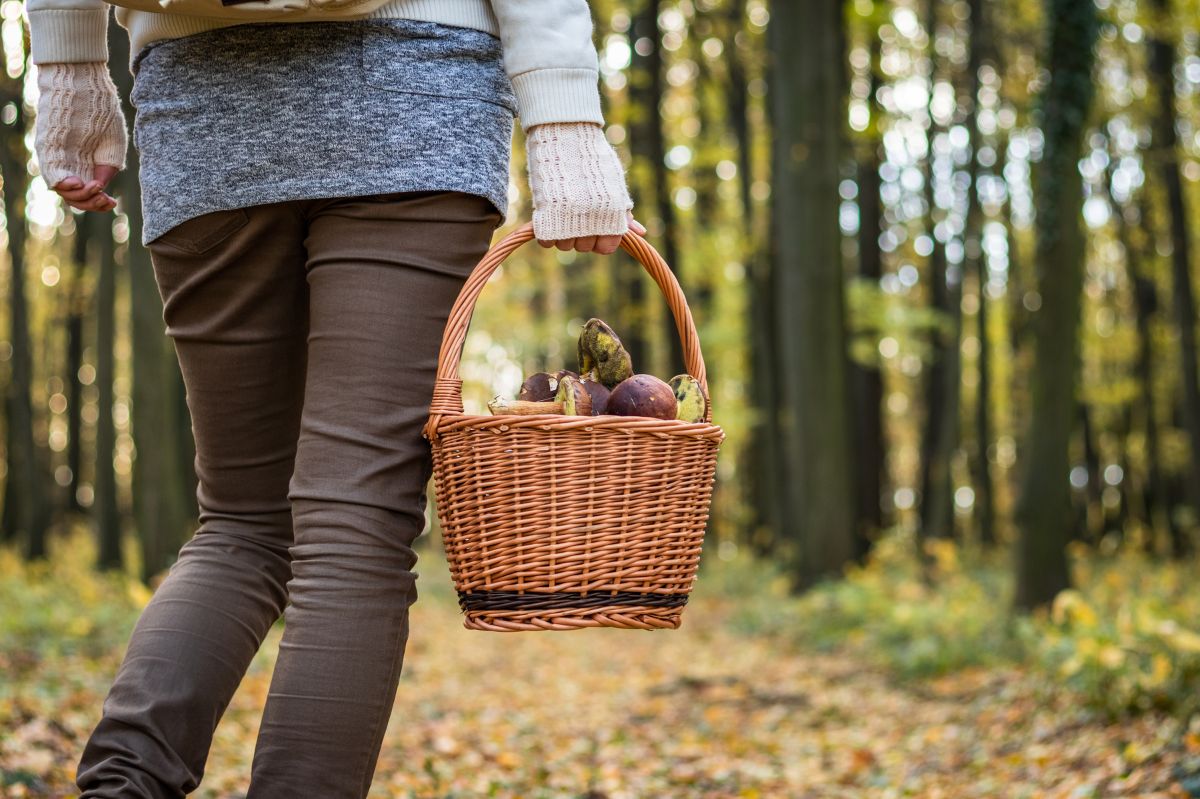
pixel 264 113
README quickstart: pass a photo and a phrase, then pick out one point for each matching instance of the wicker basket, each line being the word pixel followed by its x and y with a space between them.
pixel 557 522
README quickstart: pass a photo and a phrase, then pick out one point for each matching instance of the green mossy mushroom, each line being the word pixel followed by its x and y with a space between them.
pixel 602 357
pixel 690 400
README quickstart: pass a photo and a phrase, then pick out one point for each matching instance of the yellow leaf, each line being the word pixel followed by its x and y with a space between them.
pixel 139 593
pixel 79 626
pixel 1180 639
pixel 1160 669
pixel 1070 606
pixel 1111 657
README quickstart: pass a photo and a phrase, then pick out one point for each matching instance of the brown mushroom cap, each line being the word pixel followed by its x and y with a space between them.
pixel 642 395
pixel 539 387
pixel 599 395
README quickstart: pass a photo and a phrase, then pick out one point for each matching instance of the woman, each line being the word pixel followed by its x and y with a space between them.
pixel 314 194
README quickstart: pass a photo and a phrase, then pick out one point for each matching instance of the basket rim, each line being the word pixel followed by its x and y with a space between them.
pixel 552 422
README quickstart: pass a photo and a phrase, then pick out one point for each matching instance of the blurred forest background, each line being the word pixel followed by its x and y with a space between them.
pixel 942 259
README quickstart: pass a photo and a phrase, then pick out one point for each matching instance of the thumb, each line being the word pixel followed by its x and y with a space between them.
pixel 105 173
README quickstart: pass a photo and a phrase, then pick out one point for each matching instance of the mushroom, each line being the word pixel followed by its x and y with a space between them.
pixel 602 357
pixel 643 395
pixel 690 399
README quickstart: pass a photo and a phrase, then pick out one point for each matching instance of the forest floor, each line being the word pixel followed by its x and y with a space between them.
pixel 708 711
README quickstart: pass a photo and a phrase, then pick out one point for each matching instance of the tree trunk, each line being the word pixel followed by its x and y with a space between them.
pixel 107 515
pixel 869 448
pixel 25 502
pixel 644 42
pixel 76 313
pixel 1090 524
pixel 1044 508
pixel 1145 296
pixel 105 509
pixel 664 203
pixel 976 267
pixel 939 438
pixel 807 109
pixel 763 394
pixel 1164 157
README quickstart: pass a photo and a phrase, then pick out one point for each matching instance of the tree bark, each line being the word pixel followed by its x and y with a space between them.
pixel 105 509
pixel 807 100
pixel 869 448
pixel 76 314
pixel 1164 156
pixel 1044 508
pixel 644 42
pixel 26 512
pixel 1145 296
pixel 1089 526
pixel 976 267
pixel 939 438
pixel 763 392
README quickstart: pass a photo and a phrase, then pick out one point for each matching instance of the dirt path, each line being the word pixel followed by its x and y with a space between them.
pixel 697 713
pixel 704 713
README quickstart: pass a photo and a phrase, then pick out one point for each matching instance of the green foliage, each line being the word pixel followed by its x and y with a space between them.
pixel 872 313
pixel 1127 641
pixel 888 614
pixel 1124 642
pixel 61 607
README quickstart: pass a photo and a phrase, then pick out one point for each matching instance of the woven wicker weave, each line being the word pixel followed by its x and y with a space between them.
pixel 557 522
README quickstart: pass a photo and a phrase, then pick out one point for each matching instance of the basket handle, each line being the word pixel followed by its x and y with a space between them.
pixel 447 387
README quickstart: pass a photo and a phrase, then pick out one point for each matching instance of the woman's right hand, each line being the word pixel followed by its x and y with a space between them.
pixel 79 134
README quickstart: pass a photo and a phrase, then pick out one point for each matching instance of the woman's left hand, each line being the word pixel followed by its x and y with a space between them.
pixel 578 184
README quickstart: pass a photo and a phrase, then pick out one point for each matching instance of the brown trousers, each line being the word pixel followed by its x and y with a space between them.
pixel 308 335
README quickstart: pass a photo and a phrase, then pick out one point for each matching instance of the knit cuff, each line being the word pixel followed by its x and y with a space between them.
pixel 577 182
pixel 556 224
pixel 558 95
pixel 68 35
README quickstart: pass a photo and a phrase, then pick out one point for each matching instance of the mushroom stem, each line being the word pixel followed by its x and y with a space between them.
pixel 501 406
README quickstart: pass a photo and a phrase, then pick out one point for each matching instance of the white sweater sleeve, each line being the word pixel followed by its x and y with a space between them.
pixel 67 31
pixel 550 58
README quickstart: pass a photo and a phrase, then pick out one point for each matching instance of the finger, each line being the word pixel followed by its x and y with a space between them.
pixel 105 173
pixel 545 243
pixel 607 245
pixel 636 226
pixel 101 202
pixel 585 243
pixel 69 183
pixel 90 190
pixel 566 245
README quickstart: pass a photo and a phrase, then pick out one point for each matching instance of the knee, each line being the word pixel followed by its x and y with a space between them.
pixel 347 547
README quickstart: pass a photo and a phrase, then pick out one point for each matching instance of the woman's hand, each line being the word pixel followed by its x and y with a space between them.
pixel 605 245
pixel 579 197
pixel 80 133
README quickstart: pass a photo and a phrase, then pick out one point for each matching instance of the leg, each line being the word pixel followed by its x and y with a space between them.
pixel 383 273
pixel 235 303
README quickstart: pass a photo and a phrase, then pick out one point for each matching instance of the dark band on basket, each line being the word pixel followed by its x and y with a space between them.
pixel 533 600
